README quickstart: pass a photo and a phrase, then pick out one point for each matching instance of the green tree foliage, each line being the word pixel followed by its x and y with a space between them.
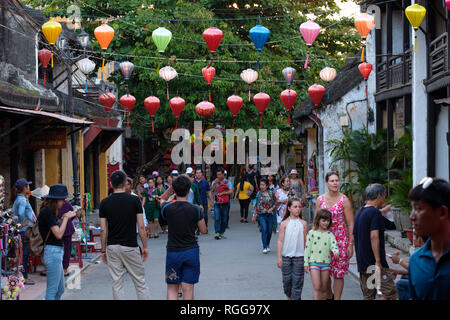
pixel 337 40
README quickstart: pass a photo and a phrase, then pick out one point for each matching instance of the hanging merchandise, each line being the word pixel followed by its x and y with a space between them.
pixel 328 74
pixel 128 102
pixel 44 56
pixel 161 38
pixel 316 92
pixel 152 104
pixel 205 109
pixel 107 100
pixel 365 69
pixel 209 73
pixel 415 14
pixel 259 36
pixel 13 286
pixel 235 104
pixel 51 30
pixel 261 101
pixel 249 76
pixel 167 74
pixel 127 69
pixel 309 30
pixel 86 66
pixel 288 97
pixel 212 36
pixel 177 105
pixel 104 35
pixel 364 22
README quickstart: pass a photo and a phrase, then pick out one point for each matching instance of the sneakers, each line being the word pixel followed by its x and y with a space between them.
pixel 265 251
pixel 268 249
pixel 217 236
pixel 222 236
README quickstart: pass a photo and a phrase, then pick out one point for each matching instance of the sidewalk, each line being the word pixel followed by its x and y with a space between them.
pixel 394 243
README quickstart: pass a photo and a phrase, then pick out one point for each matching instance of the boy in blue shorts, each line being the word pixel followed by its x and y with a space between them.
pixel 183 256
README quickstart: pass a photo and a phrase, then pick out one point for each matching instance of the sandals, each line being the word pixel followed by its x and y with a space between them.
pixel 156 236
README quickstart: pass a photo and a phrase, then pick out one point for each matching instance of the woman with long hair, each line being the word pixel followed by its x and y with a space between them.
pixel 22 209
pixel 52 232
pixel 282 195
pixel 244 189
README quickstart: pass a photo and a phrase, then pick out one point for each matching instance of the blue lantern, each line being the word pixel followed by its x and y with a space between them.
pixel 259 36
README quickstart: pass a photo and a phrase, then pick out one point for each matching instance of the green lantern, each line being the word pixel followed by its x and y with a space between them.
pixel 161 37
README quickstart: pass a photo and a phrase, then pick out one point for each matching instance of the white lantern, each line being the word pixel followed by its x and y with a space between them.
pixel 86 66
pixel 328 74
pixel 168 73
pixel 249 76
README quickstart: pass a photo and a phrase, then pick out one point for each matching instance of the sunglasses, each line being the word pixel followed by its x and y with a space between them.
pixel 426 182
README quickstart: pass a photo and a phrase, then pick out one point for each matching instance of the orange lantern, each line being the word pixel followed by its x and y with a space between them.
pixel 104 35
pixel 364 22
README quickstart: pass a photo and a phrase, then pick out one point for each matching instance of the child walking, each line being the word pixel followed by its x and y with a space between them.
pixel 291 248
pixel 319 243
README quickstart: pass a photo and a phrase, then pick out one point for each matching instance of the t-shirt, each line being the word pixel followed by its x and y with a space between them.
pixel 368 219
pixel 251 178
pixel 318 247
pixel 243 193
pixel 203 187
pixel 46 220
pixel 182 218
pixel 120 210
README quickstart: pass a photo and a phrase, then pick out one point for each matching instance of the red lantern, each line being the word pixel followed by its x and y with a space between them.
pixel 44 56
pixel 107 100
pixel 365 68
pixel 209 73
pixel 447 3
pixel 152 105
pixel 177 105
pixel 316 92
pixel 128 102
pixel 288 97
pixel 205 109
pixel 261 101
pixel 213 37
pixel 235 104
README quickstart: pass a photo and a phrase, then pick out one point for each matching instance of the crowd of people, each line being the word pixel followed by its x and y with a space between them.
pixel 180 203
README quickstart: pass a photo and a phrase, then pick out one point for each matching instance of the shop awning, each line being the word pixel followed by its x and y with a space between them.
pixel 106 135
pixel 58 117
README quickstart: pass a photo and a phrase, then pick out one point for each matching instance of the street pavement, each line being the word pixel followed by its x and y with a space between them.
pixel 232 268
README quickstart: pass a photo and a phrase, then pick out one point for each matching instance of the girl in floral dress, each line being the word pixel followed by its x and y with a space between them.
pixel 342 216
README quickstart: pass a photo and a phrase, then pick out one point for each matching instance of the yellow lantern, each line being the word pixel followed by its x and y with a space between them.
pixel 415 14
pixel 51 30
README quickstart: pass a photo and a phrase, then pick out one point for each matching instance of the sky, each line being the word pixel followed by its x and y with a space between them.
pixel 349 9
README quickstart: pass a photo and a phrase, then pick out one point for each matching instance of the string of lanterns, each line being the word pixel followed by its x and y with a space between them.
pixel 213 37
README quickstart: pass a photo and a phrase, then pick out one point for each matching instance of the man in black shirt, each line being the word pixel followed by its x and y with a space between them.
pixel 368 232
pixel 119 214
pixel 183 256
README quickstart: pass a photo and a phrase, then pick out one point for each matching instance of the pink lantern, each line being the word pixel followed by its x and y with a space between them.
pixel 309 30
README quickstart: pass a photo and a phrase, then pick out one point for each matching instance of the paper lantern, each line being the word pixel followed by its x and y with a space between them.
pixel 328 74
pixel 161 37
pixel 177 105
pixel 205 109
pixel 235 104
pixel 86 66
pixel 365 69
pixel 261 101
pixel 128 101
pixel 316 92
pixel 107 100
pixel 104 35
pixel 152 104
pixel 51 30
pixel 289 74
pixel 364 22
pixel 415 14
pixel 309 30
pixel 44 56
pixel 288 97
pixel 126 68
pixel 168 74
pixel 249 76
pixel 259 36
pixel 209 73
pixel 213 36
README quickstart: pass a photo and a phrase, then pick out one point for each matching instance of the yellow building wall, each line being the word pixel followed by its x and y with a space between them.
pixel 52 166
pixel 103 168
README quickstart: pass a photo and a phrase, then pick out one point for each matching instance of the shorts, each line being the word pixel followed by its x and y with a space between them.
pixel 183 266
pixel 319 266
pixel 387 285
pixel 152 213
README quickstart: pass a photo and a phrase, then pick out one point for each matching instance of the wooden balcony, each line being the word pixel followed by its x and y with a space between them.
pixel 438 56
pixel 395 72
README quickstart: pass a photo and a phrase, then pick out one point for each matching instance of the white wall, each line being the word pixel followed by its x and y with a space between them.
pixel 371 82
pixel 441 145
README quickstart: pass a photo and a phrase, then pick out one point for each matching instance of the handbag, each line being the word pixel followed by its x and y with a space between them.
pixel 34 242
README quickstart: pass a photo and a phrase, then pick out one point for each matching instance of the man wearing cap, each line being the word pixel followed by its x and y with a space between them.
pixel 22 209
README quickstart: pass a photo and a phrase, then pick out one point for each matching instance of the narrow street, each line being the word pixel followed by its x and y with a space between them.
pixel 233 268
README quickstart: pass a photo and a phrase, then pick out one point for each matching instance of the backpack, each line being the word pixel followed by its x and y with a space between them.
pixel 33 241
pixel 221 187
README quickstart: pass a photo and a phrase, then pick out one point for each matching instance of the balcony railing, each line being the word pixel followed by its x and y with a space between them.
pixel 438 56
pixel 395 72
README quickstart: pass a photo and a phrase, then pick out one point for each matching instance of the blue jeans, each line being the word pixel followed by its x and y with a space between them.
pixel 53 257
pixel 26 255
pixel 266 223
pixel 403 288
pixel 220 217
pixel 228 214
